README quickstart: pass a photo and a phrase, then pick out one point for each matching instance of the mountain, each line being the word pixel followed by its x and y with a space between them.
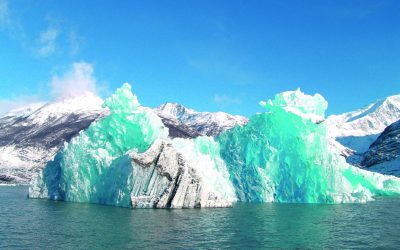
pixel 178 129
pixel 205 123
pixel 29 137
pixel 278 156
pixel 357 130
pixel 383 155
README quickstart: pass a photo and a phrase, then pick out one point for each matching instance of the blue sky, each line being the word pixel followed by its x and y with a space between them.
pixel 208 55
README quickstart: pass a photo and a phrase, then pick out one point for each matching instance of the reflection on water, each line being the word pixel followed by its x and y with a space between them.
pixel 42 224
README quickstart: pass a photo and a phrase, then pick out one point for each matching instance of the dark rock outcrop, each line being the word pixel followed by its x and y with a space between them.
pixel 386 148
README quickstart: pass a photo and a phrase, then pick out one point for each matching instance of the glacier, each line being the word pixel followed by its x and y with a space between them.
pixel 281 155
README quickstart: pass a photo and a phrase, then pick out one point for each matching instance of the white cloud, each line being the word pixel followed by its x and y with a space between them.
pixel 47 42
pixel 78 80
pixel 226 100
pixel 59 38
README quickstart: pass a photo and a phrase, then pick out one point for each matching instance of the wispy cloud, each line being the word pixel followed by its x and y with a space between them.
pixel 6 105
pixel 55 38
pixel 47 44
pixel 225 100
pixel 75 42
pixel 77 80
pixel 50 42
pixel 5 19
pixel 10 23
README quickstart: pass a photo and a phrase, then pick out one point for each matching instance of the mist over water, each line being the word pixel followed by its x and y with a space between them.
pixel 44 224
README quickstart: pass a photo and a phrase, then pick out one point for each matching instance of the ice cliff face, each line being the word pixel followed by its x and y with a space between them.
pixel 204 123
pixel 383 156
pixel 282 155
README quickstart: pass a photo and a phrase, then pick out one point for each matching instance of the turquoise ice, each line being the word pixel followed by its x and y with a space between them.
pixel 93 166
pixel 281 155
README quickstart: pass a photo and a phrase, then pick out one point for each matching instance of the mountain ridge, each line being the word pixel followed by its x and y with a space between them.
pixel 30 136
pixel 357 130
pixel 205 123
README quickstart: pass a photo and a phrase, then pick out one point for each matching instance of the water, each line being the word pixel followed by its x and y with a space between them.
pixel 43 224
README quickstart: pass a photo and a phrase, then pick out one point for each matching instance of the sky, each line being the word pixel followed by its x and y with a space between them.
pixel 207 55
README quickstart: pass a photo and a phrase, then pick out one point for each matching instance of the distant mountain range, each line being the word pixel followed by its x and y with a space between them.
pixel 29 137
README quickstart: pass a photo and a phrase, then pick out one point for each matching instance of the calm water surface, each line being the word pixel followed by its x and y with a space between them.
pixel 42 224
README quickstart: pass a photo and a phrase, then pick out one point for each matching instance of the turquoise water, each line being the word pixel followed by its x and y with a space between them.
pixel 42 224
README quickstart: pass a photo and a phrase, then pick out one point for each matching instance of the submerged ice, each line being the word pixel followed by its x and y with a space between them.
pixel 281 155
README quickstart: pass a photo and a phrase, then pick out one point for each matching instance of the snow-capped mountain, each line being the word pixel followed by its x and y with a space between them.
pixel 29 137
pixel 205 123
pixel 178 129
pixel 357 130
pixel 383 156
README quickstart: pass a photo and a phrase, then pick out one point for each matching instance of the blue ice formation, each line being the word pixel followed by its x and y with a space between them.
pixel 281 155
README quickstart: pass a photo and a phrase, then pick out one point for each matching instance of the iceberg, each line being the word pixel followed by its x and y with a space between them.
pixel 281 155
pixel 109 163
pixel 89 168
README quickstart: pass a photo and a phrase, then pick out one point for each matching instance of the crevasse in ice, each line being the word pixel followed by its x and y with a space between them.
pixel 281 155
